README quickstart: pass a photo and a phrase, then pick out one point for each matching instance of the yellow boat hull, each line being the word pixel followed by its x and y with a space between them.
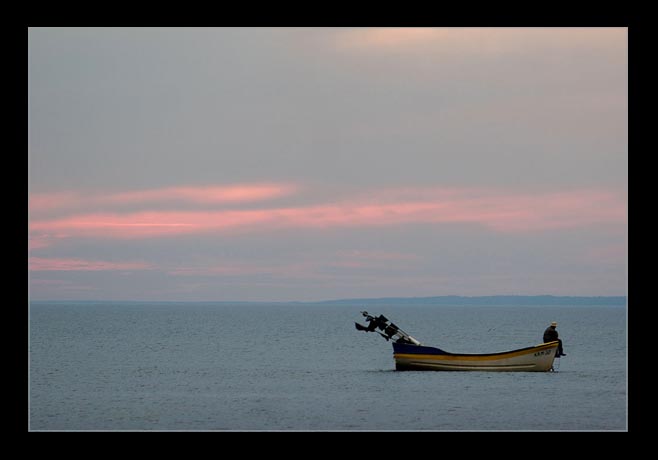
pixel 531 359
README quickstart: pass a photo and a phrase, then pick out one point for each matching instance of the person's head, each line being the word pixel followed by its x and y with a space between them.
pixel 553 324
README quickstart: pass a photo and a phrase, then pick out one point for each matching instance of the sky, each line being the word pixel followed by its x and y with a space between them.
pixel 303 164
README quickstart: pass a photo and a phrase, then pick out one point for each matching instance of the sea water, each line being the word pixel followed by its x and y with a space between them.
pixel 204 366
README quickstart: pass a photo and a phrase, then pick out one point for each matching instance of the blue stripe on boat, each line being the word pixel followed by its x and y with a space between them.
pixel 404 348
pixel 417 349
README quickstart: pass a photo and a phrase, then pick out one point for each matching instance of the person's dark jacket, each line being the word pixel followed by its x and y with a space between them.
pixel 550 334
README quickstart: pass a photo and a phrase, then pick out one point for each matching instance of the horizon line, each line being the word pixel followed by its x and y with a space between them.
pixel 346 299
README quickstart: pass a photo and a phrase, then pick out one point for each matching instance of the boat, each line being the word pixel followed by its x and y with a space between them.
pixel 410 355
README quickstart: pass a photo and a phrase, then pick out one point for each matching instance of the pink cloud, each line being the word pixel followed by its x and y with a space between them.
pixel 478 41
pixel 149 224
pixel 497 210
pixel 70 264
pixel 37 242
pixel 167 196
pixel 230 269
pixel 49 201
pixel 206 195
pixel 386 37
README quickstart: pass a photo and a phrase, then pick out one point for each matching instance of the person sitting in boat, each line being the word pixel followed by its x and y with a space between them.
pixel 550 334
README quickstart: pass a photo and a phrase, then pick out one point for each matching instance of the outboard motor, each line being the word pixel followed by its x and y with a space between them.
pixel 390 330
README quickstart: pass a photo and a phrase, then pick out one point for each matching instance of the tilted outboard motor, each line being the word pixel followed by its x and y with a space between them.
pixel 391 331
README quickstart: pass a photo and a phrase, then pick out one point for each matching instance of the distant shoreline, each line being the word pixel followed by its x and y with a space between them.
pixel 498 300
pixel 450 300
